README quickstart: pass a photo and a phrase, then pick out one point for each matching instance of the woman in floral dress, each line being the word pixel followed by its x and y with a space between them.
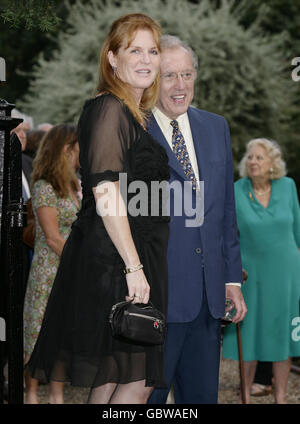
pixel 55 202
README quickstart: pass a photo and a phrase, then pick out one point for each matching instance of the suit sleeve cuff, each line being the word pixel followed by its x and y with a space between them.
pixel 234 284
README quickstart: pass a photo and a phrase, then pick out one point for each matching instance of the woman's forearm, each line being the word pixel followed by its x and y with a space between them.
pixel 116 222
pixel 56 243
pixel 47 218
pixel 118 228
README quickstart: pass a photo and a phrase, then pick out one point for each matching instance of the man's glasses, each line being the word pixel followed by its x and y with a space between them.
pixel 172 76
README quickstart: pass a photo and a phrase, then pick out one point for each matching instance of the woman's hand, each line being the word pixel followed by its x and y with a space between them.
pixel 138 287
pixel 118 229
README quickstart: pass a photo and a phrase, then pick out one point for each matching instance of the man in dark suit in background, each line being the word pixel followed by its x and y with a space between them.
pixel 204 261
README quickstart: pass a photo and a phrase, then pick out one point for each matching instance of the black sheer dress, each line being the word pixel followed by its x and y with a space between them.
pixel 75 342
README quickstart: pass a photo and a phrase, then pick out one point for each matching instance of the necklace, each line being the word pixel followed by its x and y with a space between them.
pixel 261 193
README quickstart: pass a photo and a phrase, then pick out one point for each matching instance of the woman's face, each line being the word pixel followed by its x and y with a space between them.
pixel 138 64
pixel 21 131
pixel 258 163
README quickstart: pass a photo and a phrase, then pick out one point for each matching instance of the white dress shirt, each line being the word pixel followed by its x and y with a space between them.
pixel 184 126
pixel 25 188
pixel 185 129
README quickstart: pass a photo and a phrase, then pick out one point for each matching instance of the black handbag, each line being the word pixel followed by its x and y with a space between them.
pixel 138 322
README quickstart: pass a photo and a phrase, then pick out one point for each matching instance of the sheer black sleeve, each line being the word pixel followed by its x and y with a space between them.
pixel 104 136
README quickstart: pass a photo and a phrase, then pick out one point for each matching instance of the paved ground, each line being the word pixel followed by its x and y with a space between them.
pixel 229 383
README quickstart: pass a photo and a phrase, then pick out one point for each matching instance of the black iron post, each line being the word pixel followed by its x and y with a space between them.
pixel 11 226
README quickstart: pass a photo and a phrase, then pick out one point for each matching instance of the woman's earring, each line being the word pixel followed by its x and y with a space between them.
pixel 114 71
pixel 271 171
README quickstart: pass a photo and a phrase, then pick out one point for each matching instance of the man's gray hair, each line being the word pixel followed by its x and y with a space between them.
pixel 45 126
pixel 15 113
pixel 168 41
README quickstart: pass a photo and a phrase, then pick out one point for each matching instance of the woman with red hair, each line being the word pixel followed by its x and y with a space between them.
pixel 75 342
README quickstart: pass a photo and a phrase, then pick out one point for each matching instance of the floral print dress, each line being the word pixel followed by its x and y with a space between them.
pixel 45 260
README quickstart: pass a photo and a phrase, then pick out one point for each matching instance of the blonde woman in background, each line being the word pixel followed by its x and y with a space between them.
pixel 269 225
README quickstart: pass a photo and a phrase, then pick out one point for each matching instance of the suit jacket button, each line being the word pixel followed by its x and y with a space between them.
pixel 198 250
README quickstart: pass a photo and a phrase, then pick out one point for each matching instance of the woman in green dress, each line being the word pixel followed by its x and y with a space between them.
pixel 268 219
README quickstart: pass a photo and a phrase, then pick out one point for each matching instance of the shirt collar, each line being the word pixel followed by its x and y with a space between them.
pixel 164 121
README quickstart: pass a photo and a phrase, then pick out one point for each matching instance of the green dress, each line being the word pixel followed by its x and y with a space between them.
pixel 45 261
pixel 269 239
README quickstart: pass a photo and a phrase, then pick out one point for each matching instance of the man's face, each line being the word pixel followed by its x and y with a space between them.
pixel 21 131
pixel 176 89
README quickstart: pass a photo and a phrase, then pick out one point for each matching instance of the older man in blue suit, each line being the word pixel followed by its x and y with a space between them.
pixel 204 261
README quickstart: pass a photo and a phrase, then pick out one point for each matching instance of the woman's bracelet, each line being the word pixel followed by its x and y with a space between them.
pixel 130 269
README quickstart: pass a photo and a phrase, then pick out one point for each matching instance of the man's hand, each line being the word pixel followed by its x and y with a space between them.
pixel 234 293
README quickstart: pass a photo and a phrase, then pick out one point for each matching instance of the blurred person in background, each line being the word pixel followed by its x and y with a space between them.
pixel 21 132
pixel 23 127
pixel 33 139
pixel 269 225
pixel 55 204
pixel 44 127
pixel 262 384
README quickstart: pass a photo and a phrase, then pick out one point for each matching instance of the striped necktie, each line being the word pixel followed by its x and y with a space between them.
pixel 181 153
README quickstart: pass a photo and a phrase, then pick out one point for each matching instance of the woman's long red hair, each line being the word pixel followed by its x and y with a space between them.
pixel 124 29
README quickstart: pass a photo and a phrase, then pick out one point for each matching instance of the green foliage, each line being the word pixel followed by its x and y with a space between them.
pixel 275 17
pixel 241 72
pixel 20 47
pixel 30 13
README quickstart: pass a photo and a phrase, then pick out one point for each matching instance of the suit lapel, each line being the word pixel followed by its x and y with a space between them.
pixel 157 134
pixel 202 150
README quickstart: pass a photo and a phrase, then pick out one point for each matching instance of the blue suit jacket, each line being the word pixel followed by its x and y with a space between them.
pixel 212 248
